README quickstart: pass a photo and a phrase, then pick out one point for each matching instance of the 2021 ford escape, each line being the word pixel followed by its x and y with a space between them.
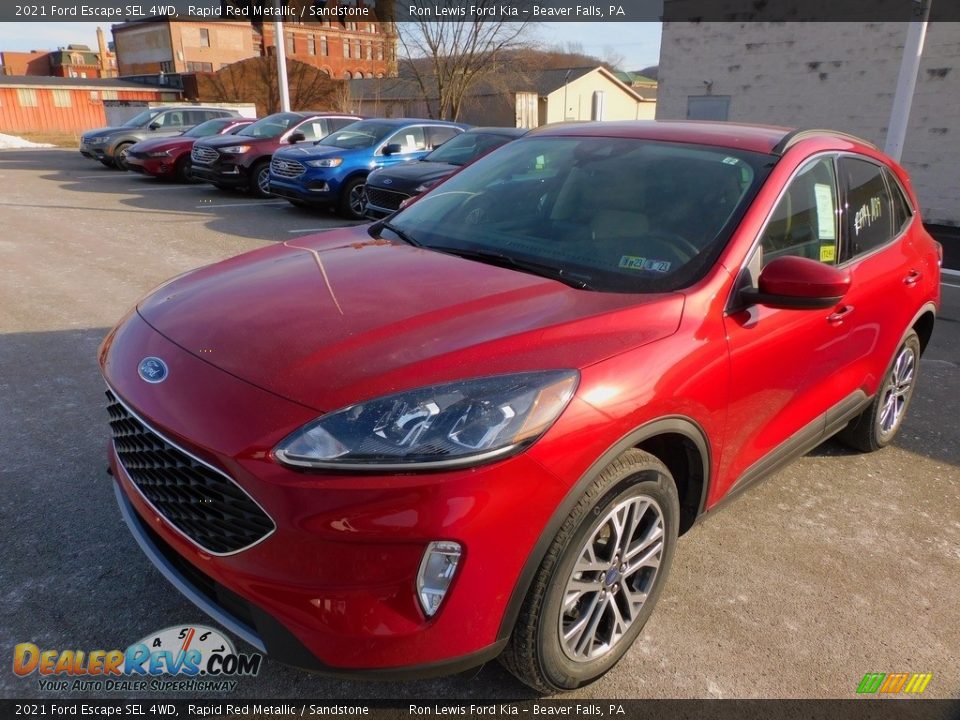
pixel 476 428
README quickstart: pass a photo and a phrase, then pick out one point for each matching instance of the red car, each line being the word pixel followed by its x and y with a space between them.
pixel 169 157
pixel 477 429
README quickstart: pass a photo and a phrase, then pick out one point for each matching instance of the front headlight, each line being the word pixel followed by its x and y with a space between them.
pixel 235 149
pixel 450 425
pixel 160 154
pixel 326 162
pixel 98 141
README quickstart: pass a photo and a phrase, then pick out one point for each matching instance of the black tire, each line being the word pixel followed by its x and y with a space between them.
pixel 352 204
pixel 879 423
pixel 536 653
pixel 120 155
pixel 259 174
pixel 183 170
pixel 107 162
pixel 302 204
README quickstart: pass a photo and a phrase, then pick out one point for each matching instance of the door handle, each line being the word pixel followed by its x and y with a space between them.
pixel 912 278
pixel 836 318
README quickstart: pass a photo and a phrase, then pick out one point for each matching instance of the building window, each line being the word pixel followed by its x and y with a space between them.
pixel 369 50
pixel 166 66
pixel 379 51
pixel 94 96
pixel 291 45
pixel 311 45
pixel 61 98
pixel 347 75
pixel 204 38
pixel 708 107
pixel 324 50
pixel 346 48
pixel 199 67
pixel 27 97
pixel 110 95
pixel 356 50
pixel 352 26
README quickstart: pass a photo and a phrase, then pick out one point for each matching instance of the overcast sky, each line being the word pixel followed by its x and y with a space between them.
pixel 638 44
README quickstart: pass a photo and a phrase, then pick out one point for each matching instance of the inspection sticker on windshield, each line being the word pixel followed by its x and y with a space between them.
pixel 634 262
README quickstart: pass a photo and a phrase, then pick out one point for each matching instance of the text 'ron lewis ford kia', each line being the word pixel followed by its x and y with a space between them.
pixel 477 429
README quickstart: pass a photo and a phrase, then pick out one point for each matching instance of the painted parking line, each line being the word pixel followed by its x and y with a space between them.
pixel 951 273
pixel 249 203
pixel 950 285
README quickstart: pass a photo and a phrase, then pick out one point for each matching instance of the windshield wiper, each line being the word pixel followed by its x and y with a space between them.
pixel 529 266
pixel 375 228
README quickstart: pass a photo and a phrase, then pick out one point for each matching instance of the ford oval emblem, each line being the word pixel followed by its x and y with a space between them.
pixel 153 370
pixel 387 181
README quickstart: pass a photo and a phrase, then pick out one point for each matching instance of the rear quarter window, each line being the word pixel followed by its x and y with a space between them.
pixel 869 209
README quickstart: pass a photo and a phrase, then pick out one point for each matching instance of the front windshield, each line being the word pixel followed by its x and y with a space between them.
pixel 466 147
pixel 610 214
pixel 141 119
pixel 362 134
pixel 208 128
pixel 271 126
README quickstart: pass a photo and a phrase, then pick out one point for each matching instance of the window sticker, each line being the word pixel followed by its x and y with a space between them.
pixel 632 262
pixel 828 253
pixel 660 266
pixel 412 142
pixel 826 219
pixel 730 161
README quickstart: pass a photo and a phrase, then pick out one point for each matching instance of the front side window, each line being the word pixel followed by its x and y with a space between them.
pixel 869 212
pixel 410 139
pixel 804 223
pixel 363 134
pixel 271 126
pixel 600 213
pixel 313 129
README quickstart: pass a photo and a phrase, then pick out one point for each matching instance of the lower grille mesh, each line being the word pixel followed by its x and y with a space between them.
pixel 202 503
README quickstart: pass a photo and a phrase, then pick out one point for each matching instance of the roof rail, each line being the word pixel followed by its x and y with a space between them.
pixel 792 138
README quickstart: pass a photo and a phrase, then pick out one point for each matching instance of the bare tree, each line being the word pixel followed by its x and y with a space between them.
pixel 447 59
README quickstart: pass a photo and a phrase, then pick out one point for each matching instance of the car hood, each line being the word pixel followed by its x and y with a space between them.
pixel 340 317
pixel 101 132
pixel 219 141
pixel 409 176
pixel 309 151
pixel 161 144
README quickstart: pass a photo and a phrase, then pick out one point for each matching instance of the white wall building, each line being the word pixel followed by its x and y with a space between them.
pixel 821 74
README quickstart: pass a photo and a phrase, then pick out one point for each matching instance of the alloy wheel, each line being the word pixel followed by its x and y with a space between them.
pixel 615 571
pixel 263 180
pixel 358 199
pixel 897 391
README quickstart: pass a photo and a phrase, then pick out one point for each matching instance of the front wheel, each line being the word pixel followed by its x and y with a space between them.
pixel 353 199
pixel 183 171
pixel 876 426
pixel 120 155
pixel 260 179
pixel 600 579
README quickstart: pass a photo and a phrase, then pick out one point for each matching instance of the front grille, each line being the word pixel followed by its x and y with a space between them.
pixel 387 199
pixel 205 155
pixel 287 168
pixel 202 503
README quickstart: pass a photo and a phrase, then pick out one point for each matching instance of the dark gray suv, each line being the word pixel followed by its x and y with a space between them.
pixel 110 145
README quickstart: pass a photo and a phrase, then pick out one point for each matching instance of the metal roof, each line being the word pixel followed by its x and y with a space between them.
pixel 79 83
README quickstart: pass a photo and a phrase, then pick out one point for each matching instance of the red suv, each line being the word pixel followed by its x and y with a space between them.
pixel 477 429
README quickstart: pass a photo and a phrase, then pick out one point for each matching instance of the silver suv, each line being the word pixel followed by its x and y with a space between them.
pixel 110 145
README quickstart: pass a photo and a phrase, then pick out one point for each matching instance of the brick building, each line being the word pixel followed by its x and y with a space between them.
pixel 340 49
pixel 820 74
pixel 73 61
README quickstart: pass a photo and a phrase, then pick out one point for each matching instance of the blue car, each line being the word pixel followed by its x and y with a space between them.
pixel 333 171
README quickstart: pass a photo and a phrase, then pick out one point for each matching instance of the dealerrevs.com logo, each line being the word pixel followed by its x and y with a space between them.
pixel 182 658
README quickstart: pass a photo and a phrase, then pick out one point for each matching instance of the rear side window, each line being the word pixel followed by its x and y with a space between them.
pixel 869 211
pixel 315 129
pixel 901 208
pixel 804 223
pixel 337 123
pixel 439 135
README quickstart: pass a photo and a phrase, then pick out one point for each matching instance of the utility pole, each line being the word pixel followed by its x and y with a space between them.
pixel 907 79
pixel 282 83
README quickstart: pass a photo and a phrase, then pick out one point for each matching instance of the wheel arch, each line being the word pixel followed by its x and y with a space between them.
pixel 923 324
pixel 677 441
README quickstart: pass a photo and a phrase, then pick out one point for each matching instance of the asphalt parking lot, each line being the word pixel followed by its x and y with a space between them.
pixel 839 565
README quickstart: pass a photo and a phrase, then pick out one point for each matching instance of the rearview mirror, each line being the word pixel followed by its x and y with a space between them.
pixel 798 283
pixel 296 137
pixel 392 149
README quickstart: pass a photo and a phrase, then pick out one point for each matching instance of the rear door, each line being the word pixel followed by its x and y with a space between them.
pixel 788 367
pixel 885 292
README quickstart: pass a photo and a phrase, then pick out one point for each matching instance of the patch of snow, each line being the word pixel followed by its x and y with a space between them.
pixel 12 142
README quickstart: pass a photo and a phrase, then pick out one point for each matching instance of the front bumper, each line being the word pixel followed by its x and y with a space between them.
pixel 314 186
pixel 157 167
pixel 226 171
pixel 94 152
pixel 333 588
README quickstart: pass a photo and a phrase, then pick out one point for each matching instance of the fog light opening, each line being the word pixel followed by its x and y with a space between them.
pixel 437 568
